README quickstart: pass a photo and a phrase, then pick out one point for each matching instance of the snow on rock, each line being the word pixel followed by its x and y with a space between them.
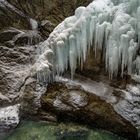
pixel 129 106
pixel 9 117
pixel 33 24
pixel 136 78
pixel 110 24
pixel 101 89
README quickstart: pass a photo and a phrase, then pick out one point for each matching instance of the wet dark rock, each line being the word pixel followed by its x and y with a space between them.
pixel 139 133
pixel 46 28
pixel 47 116
pixel 93 61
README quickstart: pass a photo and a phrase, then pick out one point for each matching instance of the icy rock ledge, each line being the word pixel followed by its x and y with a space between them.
pixel 110 25
pixel 9 117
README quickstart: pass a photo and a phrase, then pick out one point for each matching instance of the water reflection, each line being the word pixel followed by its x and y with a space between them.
pixel 43 131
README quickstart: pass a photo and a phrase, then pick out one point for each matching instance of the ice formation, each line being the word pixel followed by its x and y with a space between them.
pixel 109 25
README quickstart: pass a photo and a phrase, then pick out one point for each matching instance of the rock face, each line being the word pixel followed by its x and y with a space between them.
pixel 46 13
pixel 24 24
pixel 93 103
pixel 14 68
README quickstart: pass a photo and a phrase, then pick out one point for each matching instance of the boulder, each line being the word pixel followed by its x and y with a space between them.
pixel 92 103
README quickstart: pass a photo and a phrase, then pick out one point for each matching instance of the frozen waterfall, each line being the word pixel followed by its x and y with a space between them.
pixel 110 24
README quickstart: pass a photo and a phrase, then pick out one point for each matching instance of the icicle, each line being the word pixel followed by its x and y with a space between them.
pixel 124 51
pixel 92 29
pixel 132 52
pixel 138 65
pixel 72 55
pixel 84 40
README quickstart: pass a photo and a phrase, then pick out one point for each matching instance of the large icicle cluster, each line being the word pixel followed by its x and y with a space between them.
pixel 112 24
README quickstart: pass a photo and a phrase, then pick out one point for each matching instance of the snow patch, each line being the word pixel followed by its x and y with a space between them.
pixel 9 117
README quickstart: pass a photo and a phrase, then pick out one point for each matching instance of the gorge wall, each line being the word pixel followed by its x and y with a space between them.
pixel 28 59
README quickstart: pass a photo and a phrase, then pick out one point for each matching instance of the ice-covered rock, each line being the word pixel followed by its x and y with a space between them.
pixel 109 25
pixel 9 117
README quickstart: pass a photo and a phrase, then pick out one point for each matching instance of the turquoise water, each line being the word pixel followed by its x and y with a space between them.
pixel 30 130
